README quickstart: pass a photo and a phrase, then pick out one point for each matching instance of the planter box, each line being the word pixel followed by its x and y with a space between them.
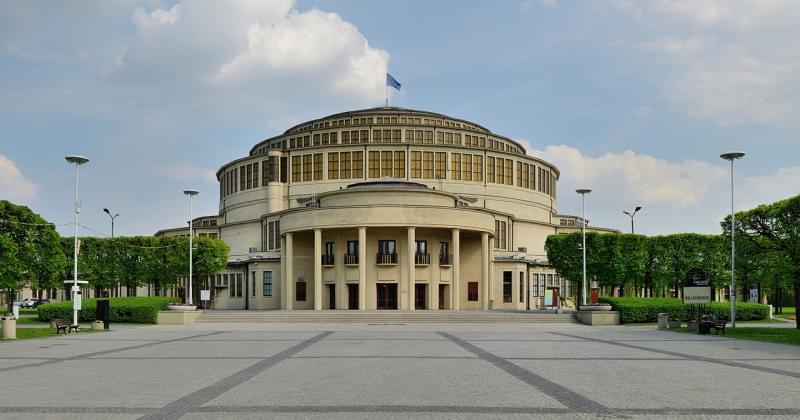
pixel 598 317
pixel 97 325
pixel 174 317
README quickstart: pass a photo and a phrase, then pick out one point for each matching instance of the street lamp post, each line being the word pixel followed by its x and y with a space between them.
pixel 190 193
pixel 583 192
pixel 107 211
pixel 631 214
pixel 731 156
pixel 76 160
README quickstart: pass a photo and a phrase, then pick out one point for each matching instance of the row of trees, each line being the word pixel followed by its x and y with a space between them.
pixel 767 255
pixel 32 254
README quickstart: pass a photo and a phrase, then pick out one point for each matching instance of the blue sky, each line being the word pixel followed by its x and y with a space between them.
pixel 635 100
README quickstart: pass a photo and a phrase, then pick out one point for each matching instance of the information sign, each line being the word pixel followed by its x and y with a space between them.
pixel 694 295
pixel 548 297
pixel 205 295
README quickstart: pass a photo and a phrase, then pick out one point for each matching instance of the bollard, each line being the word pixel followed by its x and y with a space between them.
pixel 663 321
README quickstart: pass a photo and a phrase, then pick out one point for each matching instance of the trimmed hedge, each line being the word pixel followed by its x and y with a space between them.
pixel 633 309
pixel 142 310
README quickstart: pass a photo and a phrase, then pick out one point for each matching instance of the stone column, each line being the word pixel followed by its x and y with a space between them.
pixel 456 293
pixel 289 270
pixel 282 287
pixel 484 290
pixel 317 269
pixel 411 277
pixel 362 268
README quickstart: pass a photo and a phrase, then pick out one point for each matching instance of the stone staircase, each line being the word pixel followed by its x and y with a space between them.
pixel 385 317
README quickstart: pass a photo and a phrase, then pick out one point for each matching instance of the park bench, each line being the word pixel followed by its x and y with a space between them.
pixel 719 325
pixel 65 325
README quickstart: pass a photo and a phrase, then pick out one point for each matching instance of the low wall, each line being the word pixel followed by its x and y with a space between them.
pixel 598 317
pixel 177 317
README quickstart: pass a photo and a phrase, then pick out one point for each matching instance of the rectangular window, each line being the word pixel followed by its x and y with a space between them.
pixel 253 283
pixel 439 138
pixel 352 248
pixel 317 166
pixel 509 172
pixel 418 136
pixel 422 247
pixel 466 168
pixel 489 169
pixel 307 166
pixel 535 284
pixel 316 140
pixel 409 136
pixel 345 171
pixel 296 168
pixel 427 165
pixel 519 174
pixel 345 137
pixel 242 178
pixel 376 136
pixel 267 291
pixel 333 165
pixel 472 291
pixel 300 291
pixel 386 163
pixel 507 286
pixel 416 164
pixel 477 168
pixel 455 166
pixel 396 135
pixel 374 164
pixel 239 284
pixel 500 170
pixel 387 246
pixel 441 165
pixel 521 287
pixel 283 168
pixel 400 164
pixel 364 136
pixel 358 164
pixel 427 137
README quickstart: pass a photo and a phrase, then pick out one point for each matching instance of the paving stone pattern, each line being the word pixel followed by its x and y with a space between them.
pixel 245 371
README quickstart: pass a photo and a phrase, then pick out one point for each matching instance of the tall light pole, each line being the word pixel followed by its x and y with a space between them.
pixel 112 220
pixel 583 192
pixel 190 193
pixel 636 210
pixel 76 160
pixel 731 156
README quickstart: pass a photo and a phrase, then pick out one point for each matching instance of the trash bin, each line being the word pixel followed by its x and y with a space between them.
pixel 663 321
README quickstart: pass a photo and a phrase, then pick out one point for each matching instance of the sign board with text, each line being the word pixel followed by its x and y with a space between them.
pixel 205 295
pixel 695 295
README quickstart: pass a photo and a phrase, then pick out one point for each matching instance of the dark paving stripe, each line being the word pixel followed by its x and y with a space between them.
pixel 449 409
pixel 603 359
pixel 379 409
pixel 387 357
pixel 100 353
pixel 563 395
pixel 689 356
pixel 180 407
pixel 76 410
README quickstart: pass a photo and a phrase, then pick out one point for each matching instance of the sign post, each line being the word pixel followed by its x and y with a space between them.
pixel 205 296
pixel 696 291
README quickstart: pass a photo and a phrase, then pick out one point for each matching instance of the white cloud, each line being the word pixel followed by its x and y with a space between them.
pixel 636 177
pixel 763 189
pixel 189 172
pixel 14 186
pixel 730 61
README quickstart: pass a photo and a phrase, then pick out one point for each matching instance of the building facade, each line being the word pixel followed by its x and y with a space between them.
pixel 386 208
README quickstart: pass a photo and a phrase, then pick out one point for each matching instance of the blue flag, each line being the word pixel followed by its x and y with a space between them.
pixel 390 81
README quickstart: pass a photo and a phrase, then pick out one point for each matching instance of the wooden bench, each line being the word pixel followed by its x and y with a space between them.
pixel 65 325
pixel 719 325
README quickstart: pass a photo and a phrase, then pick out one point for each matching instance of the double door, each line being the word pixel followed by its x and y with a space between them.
pixel 387 295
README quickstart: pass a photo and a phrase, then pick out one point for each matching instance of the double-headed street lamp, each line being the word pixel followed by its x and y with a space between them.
pixel 631 214
pixel 583 192
pixel 731 156
pixel 112 219
pixel 190 193
pixel 76 160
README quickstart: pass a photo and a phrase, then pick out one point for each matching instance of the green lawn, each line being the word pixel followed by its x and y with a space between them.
pixel 773 335
pixel 788 313
pixel 26 333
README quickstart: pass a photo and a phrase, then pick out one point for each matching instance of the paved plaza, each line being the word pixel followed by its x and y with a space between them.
pixel 393 371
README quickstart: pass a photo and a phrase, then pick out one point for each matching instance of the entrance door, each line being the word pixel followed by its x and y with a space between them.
pixel 442 294
pixel 556 298
pixel 332 296
pixel 352 296
pixel 387 295
pixel 420 298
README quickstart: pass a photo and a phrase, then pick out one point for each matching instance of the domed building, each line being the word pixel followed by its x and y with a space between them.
pixel 386 208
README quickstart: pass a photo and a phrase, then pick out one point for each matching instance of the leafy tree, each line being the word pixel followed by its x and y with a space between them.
pixel 775 229
pixel 30 250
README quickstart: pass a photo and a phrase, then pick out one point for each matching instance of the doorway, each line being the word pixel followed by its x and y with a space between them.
pixel 331 296
pixel 387 295
pixel 420 296
pixel 442 296
pixel 352 296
